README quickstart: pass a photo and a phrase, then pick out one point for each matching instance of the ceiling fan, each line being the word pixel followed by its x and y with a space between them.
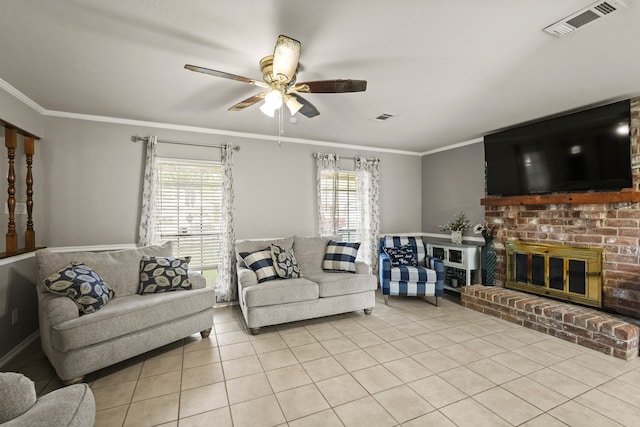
pixel 279 72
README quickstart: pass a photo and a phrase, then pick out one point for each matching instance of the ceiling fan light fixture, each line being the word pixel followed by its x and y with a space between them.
pixel 285 58
pixel 273 99
pixel 267 110
pixel 293 105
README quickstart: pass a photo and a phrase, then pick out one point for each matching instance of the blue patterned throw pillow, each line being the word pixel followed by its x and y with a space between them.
pixel 261 263
pixel 284 262
pixel 83 285
pixel 340 256
pixel 163 274
pixel 401 256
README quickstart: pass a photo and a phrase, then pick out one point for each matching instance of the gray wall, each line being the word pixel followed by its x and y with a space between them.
pixel 94 174
pixel 17 278
pixel 452 181
pixel 18 114
pixel 17 292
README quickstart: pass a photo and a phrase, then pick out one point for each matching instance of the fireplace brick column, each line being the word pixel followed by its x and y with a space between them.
pixel 615 227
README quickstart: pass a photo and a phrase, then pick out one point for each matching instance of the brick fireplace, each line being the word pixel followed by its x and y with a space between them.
pixel 608 222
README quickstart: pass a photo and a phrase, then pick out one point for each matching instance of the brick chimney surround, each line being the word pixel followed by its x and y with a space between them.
pixel 610 221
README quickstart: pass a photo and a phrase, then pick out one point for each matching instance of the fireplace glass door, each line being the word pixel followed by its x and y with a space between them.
pixel 572 274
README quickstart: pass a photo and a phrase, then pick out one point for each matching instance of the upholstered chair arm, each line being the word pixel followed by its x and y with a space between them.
pixel 384 267
pixel 437 265
pixel 197 280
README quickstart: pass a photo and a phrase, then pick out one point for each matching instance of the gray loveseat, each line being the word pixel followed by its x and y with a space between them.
pixel 316 293
pixel 128 325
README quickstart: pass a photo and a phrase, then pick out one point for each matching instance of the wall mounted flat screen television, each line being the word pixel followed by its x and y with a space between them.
pixel 580 152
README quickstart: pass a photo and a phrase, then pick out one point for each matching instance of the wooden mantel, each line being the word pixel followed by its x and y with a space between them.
pixel 623 196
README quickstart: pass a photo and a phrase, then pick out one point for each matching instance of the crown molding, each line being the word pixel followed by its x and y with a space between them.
pixel 116 120
pixel 211 131
pixel 453 146
pixel 21 97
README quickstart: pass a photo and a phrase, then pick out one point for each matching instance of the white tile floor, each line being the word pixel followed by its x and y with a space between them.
pixel 409 363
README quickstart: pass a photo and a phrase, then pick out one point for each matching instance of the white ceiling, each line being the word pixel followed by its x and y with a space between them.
pixel 452 70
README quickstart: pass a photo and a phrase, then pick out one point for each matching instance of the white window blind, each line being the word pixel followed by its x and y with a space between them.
pixel 189 209
pixel 339 202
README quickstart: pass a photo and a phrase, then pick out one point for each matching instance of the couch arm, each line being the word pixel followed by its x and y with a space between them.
pixel 362 268
pixel 197 280
pixel 246 277
pixel 55 308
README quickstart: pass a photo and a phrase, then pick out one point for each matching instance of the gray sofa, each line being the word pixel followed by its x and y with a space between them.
pixel 128 325
pixel 72 406
pixel 316 293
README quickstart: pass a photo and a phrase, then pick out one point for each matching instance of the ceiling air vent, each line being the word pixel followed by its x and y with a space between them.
pixel 384 116
pixel 584 16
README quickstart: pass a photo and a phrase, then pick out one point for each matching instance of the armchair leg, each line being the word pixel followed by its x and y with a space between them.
pixel 205 333
pixel 386 299
pixel 254 331
pixel 368 311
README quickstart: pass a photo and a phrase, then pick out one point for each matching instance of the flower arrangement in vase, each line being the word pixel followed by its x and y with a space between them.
pixel 457 226
pixel 484 228
pixel 488 253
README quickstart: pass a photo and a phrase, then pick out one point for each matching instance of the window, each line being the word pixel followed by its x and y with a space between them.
pixel 339 203
pixel 189 211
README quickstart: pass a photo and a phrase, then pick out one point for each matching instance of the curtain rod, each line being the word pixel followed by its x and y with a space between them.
pixel 315 155
pixel 136 138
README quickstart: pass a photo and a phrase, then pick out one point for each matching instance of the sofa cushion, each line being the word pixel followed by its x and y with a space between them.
pixel 261 263
pixel 164 274
pixel 128 315
pixel 309 252
pixel 334 284
pixel 119 269
pixel 284 262
pixel 18 395
pixel 340 256
pixel 83 285
pixel 256 245
pixel 403 255
pixel 278 292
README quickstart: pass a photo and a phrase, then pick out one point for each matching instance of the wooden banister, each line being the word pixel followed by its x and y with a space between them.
pixel 29 234
pixel 11 142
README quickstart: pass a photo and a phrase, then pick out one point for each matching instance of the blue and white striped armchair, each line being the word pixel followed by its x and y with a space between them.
pixel 414 275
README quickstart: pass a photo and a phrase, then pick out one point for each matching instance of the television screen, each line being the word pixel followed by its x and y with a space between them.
pixel 581 152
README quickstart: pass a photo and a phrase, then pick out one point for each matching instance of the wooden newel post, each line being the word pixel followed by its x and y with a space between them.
pixel 11 142
pixel 29 234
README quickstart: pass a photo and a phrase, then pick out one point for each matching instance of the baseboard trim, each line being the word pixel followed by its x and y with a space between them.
pixel 17 349
pixel 225 304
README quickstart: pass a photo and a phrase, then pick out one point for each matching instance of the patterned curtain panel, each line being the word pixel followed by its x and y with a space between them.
pixel 368 193
pixel 147 230
pixel 327 170
pixel 226 289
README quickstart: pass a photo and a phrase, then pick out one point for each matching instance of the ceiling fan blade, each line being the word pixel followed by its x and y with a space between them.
pixel 331 86
pixel 248 102
pixel 285 58
pixel 224 75
pixel 308 108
